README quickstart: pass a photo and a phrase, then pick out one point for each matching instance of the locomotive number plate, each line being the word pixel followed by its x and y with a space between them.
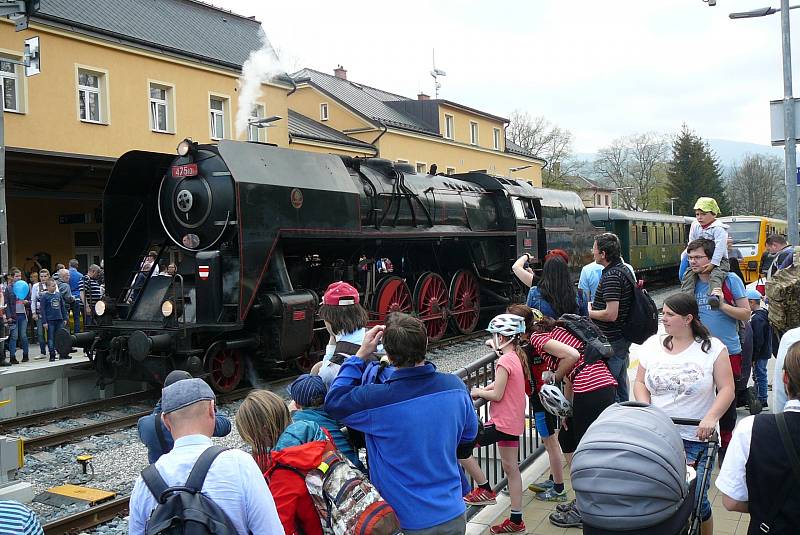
pixel 179 171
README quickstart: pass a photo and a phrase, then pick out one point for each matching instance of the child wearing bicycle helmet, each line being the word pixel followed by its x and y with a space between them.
pixel 590 387
pixel 507 400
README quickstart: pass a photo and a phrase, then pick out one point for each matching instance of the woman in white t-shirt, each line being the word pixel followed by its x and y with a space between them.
pixel 682 374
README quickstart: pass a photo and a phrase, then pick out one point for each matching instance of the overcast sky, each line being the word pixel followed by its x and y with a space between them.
pixel 602 69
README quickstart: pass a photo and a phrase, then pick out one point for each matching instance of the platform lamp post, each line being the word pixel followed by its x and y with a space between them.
pixel 617 190
pixel 672 204
pixel 789 134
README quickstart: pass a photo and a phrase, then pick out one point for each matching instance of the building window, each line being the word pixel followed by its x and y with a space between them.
pixel 422 168
pixel 473 133
pixel 8 72
pixel 255 133
pixel 597 200
pixel 402 161
pixel 90 96
pixel 496 138
pixel 448 126
pixel 217 111
pixel 607 201
pixel 161 107
pixel 451 170
pixel 323 112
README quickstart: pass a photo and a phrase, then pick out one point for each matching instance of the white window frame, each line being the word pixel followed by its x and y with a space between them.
pixel 424 168
pixel 473 133
pixel 451 171
pixel 103 109
pixel 400 160
pixel 168 103
pixel 4 75
pixel 224 114
pixel 496 138
pixel 259 111
pixel 323 111
pixel 449 126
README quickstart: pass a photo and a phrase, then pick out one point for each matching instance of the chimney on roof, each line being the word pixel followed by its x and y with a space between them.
pixel 423 96
pixel 340 72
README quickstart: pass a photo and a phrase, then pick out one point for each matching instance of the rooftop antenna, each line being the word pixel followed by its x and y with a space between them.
pixel 436 73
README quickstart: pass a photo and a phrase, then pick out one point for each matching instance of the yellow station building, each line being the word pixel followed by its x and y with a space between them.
pixel 118 75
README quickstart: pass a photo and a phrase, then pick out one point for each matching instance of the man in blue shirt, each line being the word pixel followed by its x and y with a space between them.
pixel 722 322
pixel 75 278
pixel 233 482
pixel 413 423
pixel 155 435
pixel 590 278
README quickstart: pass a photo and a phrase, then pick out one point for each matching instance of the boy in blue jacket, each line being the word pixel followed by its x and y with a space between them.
pixel 51 307
pixel 308 393
pixel 413 423
pixel 762 344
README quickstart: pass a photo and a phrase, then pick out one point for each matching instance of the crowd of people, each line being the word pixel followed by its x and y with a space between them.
pixel 375 418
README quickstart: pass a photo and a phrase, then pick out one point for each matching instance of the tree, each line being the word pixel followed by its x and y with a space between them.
pixel 636 166
pixel 694 172
pixel 547 141
pixel 755 187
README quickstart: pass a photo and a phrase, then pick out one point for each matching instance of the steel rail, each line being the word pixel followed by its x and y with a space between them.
pixel 89 518
pixel 38 418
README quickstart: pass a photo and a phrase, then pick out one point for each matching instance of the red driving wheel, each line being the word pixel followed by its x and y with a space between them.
pixel 315 352
pixel 431 301
pixel 465 301
pixel 225 369
pixel 392 295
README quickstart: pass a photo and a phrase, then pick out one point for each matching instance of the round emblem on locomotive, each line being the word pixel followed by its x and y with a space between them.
pixel 297 198
pixel 185 200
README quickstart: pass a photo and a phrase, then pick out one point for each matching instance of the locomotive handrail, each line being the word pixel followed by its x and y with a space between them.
pixel 179 277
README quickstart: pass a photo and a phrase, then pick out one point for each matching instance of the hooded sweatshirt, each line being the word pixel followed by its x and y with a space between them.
pixel 320 417
pixel 301 446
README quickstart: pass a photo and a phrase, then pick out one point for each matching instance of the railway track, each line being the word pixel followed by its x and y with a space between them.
pixel 89 518
pixel 79 409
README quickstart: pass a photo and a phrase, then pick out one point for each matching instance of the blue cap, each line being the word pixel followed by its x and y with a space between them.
pixel 184 393
pixel 753 294
pixel 308 390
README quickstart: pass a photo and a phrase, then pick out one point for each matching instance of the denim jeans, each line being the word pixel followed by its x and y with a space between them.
pixel 618 366
pixel 19 329
pixel 52 328
pixel 760 378
pixel 697 452
pixel 40 336
pixel 76 316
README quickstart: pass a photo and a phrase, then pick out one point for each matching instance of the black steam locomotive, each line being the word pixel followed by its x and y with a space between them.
pixel 257 233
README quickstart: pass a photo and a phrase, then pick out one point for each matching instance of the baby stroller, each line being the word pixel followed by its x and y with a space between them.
pixel 630 474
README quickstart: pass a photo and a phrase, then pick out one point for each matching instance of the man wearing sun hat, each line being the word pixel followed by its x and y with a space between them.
pixel 234 481
pixel 155 435
pixel 346 321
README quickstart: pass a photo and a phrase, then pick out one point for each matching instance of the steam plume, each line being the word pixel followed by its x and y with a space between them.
pixel 262 65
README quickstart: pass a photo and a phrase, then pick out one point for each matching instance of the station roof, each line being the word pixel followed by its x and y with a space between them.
pixel 184 27
pixel 304 127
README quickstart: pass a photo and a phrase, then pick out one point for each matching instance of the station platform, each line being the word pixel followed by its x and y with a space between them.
pixel 40 385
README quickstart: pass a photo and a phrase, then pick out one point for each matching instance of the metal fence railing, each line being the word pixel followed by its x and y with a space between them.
pixel 480 373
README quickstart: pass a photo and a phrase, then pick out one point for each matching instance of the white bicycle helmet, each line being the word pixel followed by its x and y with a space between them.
pixel 508 325
pixel 554 401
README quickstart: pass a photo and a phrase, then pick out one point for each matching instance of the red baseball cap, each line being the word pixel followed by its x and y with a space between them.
pixel 340 293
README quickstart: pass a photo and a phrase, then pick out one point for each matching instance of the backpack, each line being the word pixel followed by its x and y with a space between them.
pixel 183 509
pixel 642 320
pixel 346 501
pixel 783 295
pixel 595 344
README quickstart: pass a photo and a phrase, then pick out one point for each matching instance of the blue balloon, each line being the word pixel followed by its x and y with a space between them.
pixel 21 289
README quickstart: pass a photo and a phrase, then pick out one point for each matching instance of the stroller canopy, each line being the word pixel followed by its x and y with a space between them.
pixel 629 471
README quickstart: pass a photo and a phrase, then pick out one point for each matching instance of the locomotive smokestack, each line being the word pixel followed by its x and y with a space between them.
pixel 423 96
pixel 340 72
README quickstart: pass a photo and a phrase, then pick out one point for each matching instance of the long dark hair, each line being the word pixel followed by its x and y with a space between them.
pixel 556 287
pixel 685 304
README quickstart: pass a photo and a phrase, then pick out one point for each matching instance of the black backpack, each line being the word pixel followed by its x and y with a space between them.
pixel 184 510
pixel 642 320
pixel 595 344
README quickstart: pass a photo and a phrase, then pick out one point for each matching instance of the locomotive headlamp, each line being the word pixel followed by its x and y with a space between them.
pixel 100 308
pixel 186 146
pixel 167 308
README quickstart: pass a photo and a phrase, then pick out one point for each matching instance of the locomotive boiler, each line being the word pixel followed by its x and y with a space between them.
pixel 257 232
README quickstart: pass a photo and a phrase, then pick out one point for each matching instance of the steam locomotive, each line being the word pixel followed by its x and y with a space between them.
pixel 257 233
